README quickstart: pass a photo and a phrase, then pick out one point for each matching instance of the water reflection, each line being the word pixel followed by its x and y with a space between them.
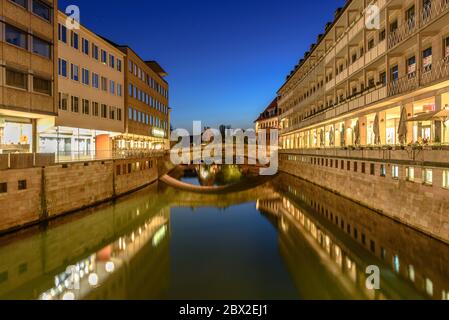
pixel 286 239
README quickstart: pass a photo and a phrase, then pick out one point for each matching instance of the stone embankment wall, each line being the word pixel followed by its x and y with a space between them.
pixel 372 182
pixel 32 195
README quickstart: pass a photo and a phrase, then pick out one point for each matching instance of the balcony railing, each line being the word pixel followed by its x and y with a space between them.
pixel 375 52
pixel 438 71
pixel 433 10
pixel 341 76
pixel 403 32
pixel 403 85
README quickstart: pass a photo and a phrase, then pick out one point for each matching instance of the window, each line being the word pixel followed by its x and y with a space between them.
pixel 41 47
pixel 371 44
pixel 410 173
pixel 446 48
pixel 62 67
pixel 119 65
pixel 104 57
pixel 74 40
pixel 112 87
pixel 3 187
pixel 22 185
pixel 22 3
pixel 130 113
pixel 85 46
pixel 62 33
pixel 86 108
pixel 16 79
pixel 427 176
pixel 393 26
pixel 383 78
pixel 42 10
pixel 111 61
pixel 363 167
pixel 104 84
pixel 411 67
pixel 95 80
pixel 348 165
pixel 130 90
pixel 104 111
pixel 427 59
pixel 355 166
pixel 75 72
pixel 394 72
pixel 119 114
pixel 119 90
pixel 395 172
pixel 383 170
pixel 130 66
pixel 95 110
pixel 94 51
pixel 75 104
pixel 41 85
pixel 63 101
pixel 112 113
pixel 15 36
pixel 446 179
pixel 85 76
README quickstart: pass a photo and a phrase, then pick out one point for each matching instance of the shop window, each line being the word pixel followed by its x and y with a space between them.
pixel 395 172
pixel 3 187
pixel 383 170
pixel 446 179
pixel 427 176
pixel 410 173
pixel 16 79
pixel 42 85
pixel 22 184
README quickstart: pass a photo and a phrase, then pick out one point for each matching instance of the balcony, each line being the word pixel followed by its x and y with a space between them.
pixel 403 32
pixel 356 28
pixel 330 85
pixel 439 71
pixel 403 85
pixel 376 95
pixel 356 66
pixel 341 76
pixel 342 43
pixel 329 56
pixel 376 52
pixel 434 10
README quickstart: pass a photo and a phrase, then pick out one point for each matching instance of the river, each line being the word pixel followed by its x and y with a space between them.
pixel 282 239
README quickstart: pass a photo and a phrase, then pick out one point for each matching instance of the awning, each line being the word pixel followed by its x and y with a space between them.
pixel 423 117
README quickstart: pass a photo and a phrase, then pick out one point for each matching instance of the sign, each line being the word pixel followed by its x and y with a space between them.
pixel 158 133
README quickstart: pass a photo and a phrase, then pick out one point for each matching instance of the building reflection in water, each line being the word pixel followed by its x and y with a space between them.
pixel 347 238
pixel 122 250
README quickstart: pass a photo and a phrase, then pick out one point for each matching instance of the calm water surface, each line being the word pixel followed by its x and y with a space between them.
pixel 284 239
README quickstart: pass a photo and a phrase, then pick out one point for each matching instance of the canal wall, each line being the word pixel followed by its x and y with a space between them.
pixel 33 195
pixel 370 181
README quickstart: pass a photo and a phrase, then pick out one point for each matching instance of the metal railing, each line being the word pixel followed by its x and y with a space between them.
pixel 437 72
pixel 402 85
pixel 103 155
pixel 403 32
pixel 433 10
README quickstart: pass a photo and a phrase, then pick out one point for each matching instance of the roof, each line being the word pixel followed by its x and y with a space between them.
pixel 156 67
pixel 273 106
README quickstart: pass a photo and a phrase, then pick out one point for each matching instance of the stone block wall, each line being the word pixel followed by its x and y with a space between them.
pixel 414 203
pixel 31 195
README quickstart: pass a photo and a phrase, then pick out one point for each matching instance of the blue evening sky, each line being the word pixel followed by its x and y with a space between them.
pixel 226 59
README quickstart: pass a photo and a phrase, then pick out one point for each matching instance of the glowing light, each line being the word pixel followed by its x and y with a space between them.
pixel 46 296
pixel 110 267
pixel 68 296
pixel 93 279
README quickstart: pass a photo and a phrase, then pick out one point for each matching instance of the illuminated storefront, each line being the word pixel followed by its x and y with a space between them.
pixel 16 135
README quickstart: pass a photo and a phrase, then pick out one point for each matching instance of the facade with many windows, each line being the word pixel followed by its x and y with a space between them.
pixel 268 120
pixel 147 119
pixel 91 96
pixel 366 112
pixel 355 83
pixel 27 73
